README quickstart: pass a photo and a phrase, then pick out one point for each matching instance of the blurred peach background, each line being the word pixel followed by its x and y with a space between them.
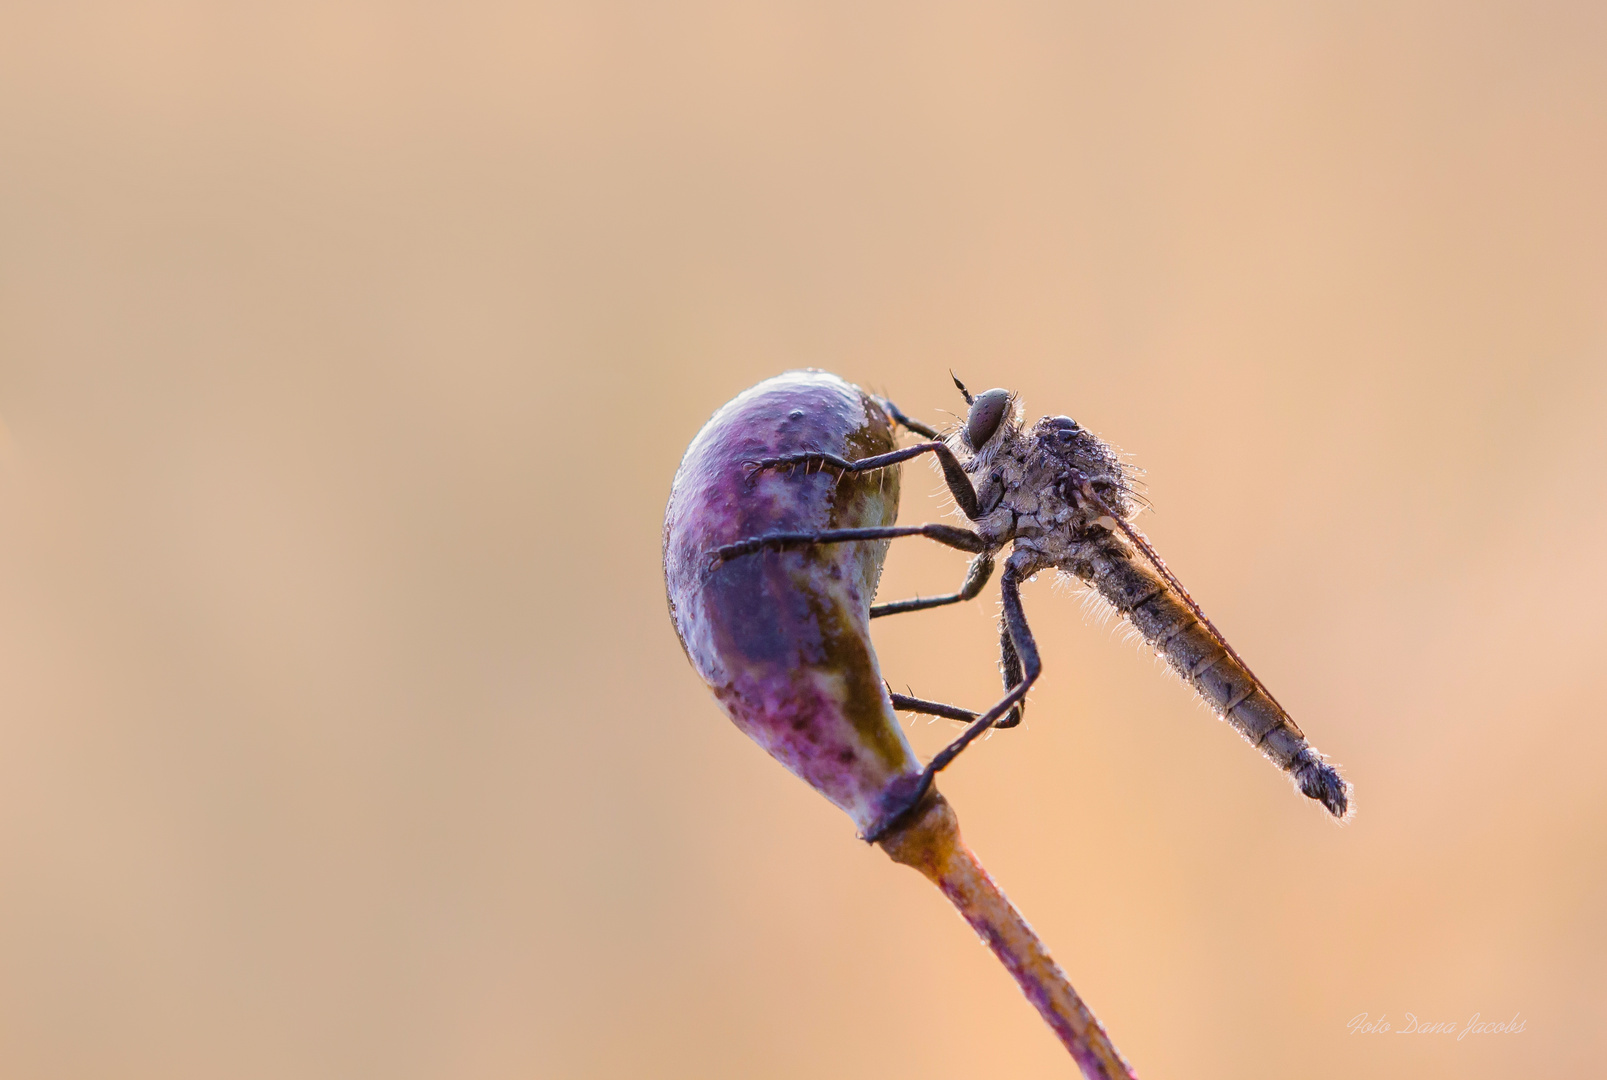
pixel 347 352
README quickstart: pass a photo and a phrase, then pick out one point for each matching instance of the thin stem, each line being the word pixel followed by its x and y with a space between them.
pixel 931 843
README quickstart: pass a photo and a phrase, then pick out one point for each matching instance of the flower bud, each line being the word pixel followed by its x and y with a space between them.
pixel 782 636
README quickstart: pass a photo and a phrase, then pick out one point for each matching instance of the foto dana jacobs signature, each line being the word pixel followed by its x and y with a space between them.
pixel 1364 1024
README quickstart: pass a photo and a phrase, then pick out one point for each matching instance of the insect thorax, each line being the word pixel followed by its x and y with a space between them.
pixel 1047 487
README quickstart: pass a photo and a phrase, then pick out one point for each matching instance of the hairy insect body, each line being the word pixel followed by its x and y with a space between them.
pixel 1222 682
pixel 1059 498
pixel 1048 490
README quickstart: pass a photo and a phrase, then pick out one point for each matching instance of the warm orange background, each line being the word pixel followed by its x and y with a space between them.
pixel 346 355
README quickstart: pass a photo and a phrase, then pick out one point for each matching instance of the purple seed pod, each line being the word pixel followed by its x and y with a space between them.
pixel 782 637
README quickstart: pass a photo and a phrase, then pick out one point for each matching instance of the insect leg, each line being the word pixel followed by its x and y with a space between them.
pixel 953 474
pixel 905 703
pixel 903 421
pixel 943 534
pixel 1027 650
pixel 1010 668
pixel 975 578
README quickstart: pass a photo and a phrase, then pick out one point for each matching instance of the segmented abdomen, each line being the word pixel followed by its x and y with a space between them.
pixel 1164 620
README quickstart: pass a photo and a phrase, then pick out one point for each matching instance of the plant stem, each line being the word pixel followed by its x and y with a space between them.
pixel 931 843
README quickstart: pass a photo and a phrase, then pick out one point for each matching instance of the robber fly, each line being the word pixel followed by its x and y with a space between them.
pixel 1060 498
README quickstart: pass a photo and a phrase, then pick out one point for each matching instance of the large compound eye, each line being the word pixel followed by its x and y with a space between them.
pixel 987 411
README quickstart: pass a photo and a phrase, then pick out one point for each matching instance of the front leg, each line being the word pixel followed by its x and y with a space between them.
pixel 944 534
pixel 916 426
pixel 953 472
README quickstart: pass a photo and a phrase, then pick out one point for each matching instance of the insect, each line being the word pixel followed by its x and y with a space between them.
pixel 1057 497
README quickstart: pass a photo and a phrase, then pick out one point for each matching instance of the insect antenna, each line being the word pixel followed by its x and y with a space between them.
pixel 966 394
pixel 1142 543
